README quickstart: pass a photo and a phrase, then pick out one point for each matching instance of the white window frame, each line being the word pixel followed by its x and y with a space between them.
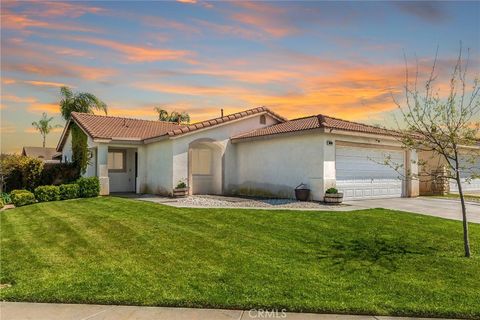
pixel 124 160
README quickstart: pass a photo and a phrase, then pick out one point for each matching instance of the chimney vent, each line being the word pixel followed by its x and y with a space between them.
pixel 221 112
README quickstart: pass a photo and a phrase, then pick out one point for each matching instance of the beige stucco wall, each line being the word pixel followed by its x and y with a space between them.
pixel 220 135
pixel 155 168
pixel 276 165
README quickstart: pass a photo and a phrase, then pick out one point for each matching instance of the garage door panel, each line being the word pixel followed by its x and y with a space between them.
pixel 473 186
pixel 361 173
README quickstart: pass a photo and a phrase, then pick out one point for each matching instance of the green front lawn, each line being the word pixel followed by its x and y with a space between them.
pixel 120 251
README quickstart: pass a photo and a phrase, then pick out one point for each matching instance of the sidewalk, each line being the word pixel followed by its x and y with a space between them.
pixel 52 311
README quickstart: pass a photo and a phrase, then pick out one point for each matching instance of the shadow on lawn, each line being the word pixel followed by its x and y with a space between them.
pixel 373 252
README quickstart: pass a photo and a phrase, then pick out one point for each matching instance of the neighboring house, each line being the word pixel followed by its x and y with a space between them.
pixel 48 155
pixel 434 169
pixel 254 152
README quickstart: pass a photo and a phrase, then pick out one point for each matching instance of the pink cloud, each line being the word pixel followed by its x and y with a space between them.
pixel 138 53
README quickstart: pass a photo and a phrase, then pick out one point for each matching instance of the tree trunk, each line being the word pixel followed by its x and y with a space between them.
pixel 44 138
pixel 466 241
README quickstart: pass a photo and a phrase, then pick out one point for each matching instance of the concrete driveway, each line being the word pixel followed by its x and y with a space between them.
pixel 443 208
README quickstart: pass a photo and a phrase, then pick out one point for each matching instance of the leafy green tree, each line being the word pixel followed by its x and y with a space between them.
pixel 79 102
pixel 44 127
pixel 174 116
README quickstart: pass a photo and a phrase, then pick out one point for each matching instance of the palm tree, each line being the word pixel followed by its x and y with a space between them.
pixel 79 102
pixel 44 127
pixel 162 114
pixel 174 116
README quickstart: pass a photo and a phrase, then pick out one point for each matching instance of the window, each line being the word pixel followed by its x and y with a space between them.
pixel 202 161
pixel 116 161
pixel 263 119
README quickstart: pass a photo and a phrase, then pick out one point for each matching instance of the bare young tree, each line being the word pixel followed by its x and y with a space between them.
pixel 445 126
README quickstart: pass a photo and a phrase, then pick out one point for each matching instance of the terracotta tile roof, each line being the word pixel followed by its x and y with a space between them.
pixel 107 127
pixel 314 122
pixel 227 118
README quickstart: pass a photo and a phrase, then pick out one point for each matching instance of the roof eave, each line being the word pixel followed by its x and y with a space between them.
pixel 63 137
pixel 183 134
pixel 277 135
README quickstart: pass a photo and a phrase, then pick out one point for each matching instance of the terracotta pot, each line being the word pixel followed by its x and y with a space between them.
pixel 333 198
pixel 180 192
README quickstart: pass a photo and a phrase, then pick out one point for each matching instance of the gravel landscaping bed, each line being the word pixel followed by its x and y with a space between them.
pixel 220 201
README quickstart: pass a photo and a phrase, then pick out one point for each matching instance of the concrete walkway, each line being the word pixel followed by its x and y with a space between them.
pixel 50 311
pixel 443 208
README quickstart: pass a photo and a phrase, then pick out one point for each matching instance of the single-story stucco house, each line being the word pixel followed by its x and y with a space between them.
pixel 254 152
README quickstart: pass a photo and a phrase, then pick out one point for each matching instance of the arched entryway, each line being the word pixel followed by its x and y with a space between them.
pixel 205 167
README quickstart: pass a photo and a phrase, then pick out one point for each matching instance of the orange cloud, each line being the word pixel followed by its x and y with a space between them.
pixel 350 92
pixel 187 1
pixel 33 130
pixel 44 107
pixel 265 17
pixel 14 98
pixel 8 81
pixel 137 53
pixel 64 9
pixel 62 69
pixel 190 89
pixel 7 129
pixel 46 83
pixel 11 20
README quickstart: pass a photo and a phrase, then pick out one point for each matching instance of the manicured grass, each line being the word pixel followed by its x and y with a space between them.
pixel 120 251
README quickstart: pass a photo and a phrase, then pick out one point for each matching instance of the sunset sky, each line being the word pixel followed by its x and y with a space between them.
pixel 343 59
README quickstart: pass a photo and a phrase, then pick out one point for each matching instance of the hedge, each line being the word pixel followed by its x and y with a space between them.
pixel 89 187
pixel 47 193
pixel 69 191
pixel 22 197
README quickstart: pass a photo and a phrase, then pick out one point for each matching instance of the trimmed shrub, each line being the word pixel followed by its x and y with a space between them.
pixel 47 193
pixel 22 197
pixel 69 191
pixel 89 187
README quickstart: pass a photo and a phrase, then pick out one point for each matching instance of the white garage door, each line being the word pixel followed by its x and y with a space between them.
pixel 361 174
